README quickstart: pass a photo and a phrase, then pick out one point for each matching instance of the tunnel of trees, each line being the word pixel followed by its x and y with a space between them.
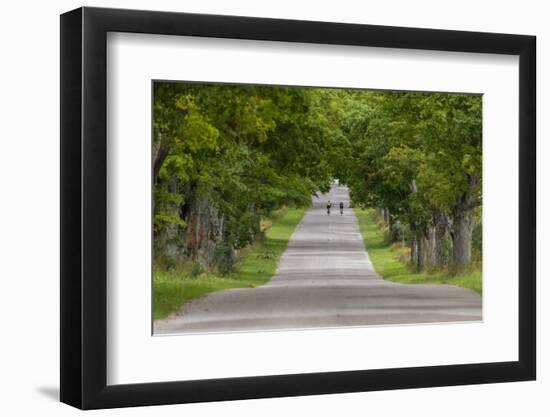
pixel 226 156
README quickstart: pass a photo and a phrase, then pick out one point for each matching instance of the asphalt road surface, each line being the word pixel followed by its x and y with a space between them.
pixel 325 279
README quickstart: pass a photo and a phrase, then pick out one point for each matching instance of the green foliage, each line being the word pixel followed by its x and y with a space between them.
pixel 226 156
pixel 246 150
pixel 417 152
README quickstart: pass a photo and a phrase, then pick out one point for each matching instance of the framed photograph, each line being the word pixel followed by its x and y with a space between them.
pixel 259 208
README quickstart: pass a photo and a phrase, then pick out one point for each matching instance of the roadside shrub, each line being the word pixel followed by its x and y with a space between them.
pixel 399 232
pixel 196 270
pixel 224 259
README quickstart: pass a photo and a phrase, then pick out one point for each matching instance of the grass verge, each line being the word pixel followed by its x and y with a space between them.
pixel 255 265
pixel 387 259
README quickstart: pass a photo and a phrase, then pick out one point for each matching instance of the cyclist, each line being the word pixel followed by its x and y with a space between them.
pixel 329 205
pixel 341 207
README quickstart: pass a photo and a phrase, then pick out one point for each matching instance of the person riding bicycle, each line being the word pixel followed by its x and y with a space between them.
pixel 341 207
pixel 329 205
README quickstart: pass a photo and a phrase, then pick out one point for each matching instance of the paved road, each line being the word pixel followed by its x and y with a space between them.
pixel 325 279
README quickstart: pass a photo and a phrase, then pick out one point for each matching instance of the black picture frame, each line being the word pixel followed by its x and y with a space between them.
pixel 84 207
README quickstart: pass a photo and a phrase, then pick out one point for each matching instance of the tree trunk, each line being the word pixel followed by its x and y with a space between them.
pixel 462 238
pixel 422 252
pixel 438 236
pixel 204 232
pixel 419 250
pixel 159 159
pixel 431 248
pixel 387 217
pixel 414 251
pixel 463 225
pixel 442 238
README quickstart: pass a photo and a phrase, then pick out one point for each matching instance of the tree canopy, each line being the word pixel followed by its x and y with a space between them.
pixel 226 156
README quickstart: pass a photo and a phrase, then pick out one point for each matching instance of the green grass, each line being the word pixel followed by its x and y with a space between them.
pixel 255 266
pixel 388 260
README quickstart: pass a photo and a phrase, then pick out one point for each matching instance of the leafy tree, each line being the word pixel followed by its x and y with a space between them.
pixel 419 156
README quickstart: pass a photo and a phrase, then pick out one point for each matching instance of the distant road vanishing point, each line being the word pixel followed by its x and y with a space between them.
pixel 325 279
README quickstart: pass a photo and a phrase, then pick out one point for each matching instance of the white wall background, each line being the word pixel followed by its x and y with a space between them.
pixel 29 211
